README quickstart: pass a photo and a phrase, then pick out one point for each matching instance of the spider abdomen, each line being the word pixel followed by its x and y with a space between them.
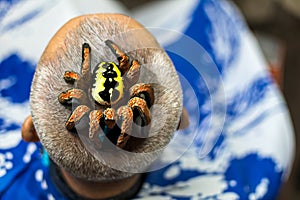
pixel 108 84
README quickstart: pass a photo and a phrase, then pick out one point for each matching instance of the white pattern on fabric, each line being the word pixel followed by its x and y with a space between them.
pixel 5 163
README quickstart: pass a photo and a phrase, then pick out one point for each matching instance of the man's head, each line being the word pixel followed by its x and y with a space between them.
pixel 75 153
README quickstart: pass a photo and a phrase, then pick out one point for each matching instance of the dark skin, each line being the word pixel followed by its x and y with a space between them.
pixel 96 190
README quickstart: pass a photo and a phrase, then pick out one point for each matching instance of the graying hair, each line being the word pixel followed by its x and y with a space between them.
pixel 64 53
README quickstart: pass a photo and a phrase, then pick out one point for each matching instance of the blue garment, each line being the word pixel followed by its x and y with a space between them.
pixel 239 144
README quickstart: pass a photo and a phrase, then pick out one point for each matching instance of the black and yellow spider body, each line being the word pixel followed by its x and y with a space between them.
pixel 99 96
pixel 108 84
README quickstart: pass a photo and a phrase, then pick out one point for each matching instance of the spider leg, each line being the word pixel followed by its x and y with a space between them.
pixel 71 76
pixel 84 81
pixel 67 97
pixel 110 129
pixel 133 73
pixel 123 59
pixel 109 117
pixel 141 112
pixel 95 119
pixel 125 115
pixel 76 116
pixel 144 91
pixel 86 59
pixel 105 120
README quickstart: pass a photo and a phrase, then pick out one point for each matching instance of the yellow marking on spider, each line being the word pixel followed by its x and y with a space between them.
pixel 104 86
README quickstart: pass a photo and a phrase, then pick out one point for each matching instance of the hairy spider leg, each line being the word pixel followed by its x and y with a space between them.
pixel 76 116
pixel 124 63
pixel 125 115
pixel 68 97
pixel 72 76
pixel 84 82
pixel 130 71
pixel 140 109
pixel 137 110
pixel 144 91
pixel 95 119
pixel 133 74
pixel 77 97
pixel 81 80
pixel 107 121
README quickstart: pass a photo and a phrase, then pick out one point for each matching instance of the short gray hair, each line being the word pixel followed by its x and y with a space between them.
pixel 64 53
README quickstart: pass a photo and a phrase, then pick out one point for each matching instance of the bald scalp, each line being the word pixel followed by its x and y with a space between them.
pixel 63 53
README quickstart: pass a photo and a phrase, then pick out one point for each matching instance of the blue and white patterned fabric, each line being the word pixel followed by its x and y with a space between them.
pixel 239 144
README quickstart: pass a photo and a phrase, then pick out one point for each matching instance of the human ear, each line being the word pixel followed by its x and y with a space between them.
pixel 184 120
pixel 28 131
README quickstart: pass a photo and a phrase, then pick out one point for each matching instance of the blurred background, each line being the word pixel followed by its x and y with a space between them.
pixel 276 23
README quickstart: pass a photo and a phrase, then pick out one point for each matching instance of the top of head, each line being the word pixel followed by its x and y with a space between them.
pixel 64 52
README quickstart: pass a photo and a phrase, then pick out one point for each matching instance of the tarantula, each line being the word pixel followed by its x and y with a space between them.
pixel 96 95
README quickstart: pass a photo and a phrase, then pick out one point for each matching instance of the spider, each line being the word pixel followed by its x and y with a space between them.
pixel 96 94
